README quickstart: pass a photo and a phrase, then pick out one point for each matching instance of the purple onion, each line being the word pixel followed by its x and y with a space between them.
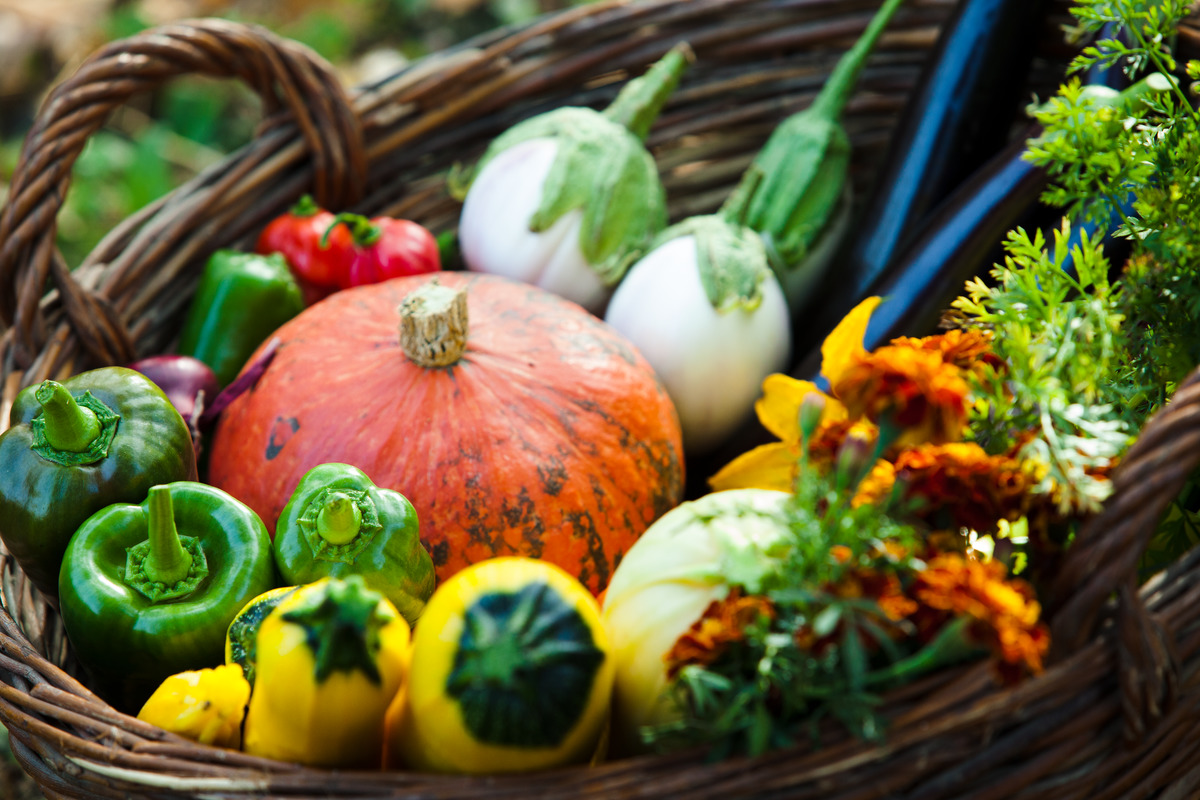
pixel 188 383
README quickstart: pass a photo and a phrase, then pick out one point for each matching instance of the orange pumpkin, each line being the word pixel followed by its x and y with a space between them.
pixel 546 434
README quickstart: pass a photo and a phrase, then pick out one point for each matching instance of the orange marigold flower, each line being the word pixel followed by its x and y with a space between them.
pixel 969 350
pixel 877 486
pixel 914 389
pixel 723 623
pixel 960 485
pixel 1005 613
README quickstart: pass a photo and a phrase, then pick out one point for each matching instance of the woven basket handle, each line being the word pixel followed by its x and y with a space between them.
pixel 287 76
pixel 1101 566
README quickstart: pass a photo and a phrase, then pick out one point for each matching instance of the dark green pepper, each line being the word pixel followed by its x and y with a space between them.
pixel 147 591
pixel 338 523
pixel 102 437
pixel 240 301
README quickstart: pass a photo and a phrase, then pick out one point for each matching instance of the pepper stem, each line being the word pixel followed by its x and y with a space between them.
pixel 433 325
pixel 840 84
pixel 305 207
pixel 166 562
pixel 69 426
pixel 364 232
pixel 640 102
pixel 339 520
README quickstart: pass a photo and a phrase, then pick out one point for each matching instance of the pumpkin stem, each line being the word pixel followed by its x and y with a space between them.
pixel 433 325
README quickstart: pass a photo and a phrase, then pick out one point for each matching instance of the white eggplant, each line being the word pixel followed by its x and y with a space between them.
pixel 567 200
pixel 496 237
pixel 707 312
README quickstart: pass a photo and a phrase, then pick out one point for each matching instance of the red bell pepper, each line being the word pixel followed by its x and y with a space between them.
pixel 385 248
pixel 317 261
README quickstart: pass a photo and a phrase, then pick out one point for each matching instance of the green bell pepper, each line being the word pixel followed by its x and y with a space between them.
pixel 240 301
pixel 147 591
pixel 338 523
pixel 101 437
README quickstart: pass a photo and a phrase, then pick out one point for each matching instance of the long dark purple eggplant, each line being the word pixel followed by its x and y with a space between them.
pixel 958 118
pixel 959 240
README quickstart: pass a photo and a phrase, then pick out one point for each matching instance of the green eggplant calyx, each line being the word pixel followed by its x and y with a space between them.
pixel 524 667
pixel 341 625
pixel 640 102
pixel 731 260
pixel 166 566
pixel 72 431
pixel 339 524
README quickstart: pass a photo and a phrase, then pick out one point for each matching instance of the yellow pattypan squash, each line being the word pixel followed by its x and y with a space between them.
pixel 330 659
pixel 511 671
pixel 205 705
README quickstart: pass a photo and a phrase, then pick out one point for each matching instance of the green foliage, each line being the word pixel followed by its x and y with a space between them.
pixel 1062 341
pixel 774 686
pixel 1091 360
pixel 1148 24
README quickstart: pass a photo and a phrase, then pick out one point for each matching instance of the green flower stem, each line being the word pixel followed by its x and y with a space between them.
pixel 69 426
pixel 167 562
pixel 951 645
pixel 339 520
pixel 642 99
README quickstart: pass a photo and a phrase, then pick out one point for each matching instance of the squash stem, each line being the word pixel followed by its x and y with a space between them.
pixel 167 562
pixel 339 520
pixel 640 102
pixel 341 624
pixel 69 426
pixel 433 325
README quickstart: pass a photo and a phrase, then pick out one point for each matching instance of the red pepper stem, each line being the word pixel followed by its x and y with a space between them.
pixel 364 232
pixel 339 520
pixel 69 426
pixel 167 562
pixel 305 207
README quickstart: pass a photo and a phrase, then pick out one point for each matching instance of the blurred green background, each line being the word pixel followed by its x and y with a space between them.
pixel 160 140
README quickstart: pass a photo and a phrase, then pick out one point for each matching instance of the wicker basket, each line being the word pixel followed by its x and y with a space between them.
pixel 1117 714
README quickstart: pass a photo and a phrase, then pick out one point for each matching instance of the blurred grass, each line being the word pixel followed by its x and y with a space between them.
pixel 159 141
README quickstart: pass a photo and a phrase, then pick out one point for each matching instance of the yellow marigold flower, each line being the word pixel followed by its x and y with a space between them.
pixel 775 465
pixel 960 485
pixel 1005 613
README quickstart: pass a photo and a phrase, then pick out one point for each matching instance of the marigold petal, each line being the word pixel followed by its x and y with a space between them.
pixel 768 466
pixel 779 407
pixel 846 340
